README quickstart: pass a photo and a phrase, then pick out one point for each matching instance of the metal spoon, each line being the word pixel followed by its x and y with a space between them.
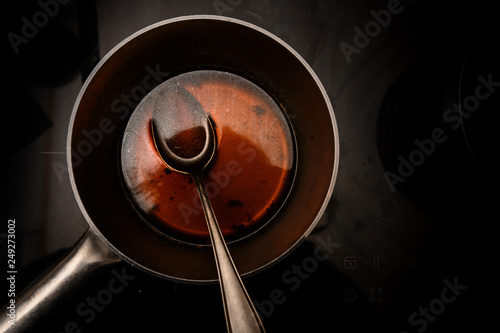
pixel 185 140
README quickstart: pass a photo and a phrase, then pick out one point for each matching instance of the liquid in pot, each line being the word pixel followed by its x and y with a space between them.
pixel 247 180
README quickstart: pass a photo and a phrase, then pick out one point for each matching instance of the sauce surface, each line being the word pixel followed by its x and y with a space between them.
pixel 248 178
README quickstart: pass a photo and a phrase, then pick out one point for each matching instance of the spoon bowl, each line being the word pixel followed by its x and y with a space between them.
pixel 182 132
pixel 185 140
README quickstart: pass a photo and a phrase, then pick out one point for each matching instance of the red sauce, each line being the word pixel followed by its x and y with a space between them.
pixel 247 180
pixel 188 143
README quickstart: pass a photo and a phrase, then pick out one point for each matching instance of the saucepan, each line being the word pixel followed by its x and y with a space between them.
pixel 107 100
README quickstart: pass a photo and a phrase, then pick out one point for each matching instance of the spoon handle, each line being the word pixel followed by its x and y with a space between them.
pixel 241 315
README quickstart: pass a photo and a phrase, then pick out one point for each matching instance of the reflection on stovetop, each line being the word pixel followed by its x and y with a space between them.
pixel 404 244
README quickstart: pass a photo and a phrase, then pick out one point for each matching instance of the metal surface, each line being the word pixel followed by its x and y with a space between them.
pixel 164 126
pixel 58 283
pixel 166 122
pixel 241 315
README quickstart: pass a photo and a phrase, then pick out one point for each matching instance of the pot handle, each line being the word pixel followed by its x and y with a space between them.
pixel 87 256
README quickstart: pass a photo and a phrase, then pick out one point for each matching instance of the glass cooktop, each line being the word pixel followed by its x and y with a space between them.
pixel 405 244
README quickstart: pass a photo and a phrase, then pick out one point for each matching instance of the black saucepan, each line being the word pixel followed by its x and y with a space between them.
pixel 123 77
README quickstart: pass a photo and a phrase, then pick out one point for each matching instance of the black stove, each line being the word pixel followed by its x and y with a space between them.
pixel 405 244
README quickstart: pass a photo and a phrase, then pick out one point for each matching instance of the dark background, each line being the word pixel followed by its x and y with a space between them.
pixel 395 242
